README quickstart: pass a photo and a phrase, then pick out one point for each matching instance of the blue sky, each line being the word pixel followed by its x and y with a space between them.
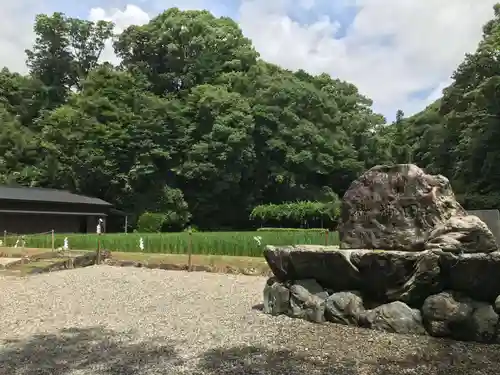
pixel 400 54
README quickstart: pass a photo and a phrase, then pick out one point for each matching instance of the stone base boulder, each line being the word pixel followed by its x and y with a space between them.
pixel 400 207
pixel 451 314
pixel 344 308
pixel 429 292
pixel 396 317
pixel 384 276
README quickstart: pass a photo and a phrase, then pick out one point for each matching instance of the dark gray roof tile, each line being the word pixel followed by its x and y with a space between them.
pixel 19 193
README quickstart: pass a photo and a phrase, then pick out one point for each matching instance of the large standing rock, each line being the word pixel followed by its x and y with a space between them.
pixel 451 314
pixel 401 207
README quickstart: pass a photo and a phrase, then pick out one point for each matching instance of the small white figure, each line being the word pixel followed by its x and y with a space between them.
pixel 141 244
pixel 99 226
pixel 17 243
pixel 66 244
pixel 258 239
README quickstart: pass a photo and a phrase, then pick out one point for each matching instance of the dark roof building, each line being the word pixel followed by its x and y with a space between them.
pixel 35 210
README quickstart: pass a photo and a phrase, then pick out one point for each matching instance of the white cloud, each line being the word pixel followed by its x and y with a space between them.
pixel 426 40
pixel 16 32
pixel 391 50
pixel 132 15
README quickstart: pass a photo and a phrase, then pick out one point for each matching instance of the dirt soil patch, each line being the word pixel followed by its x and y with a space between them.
pixel 19 252
pixel 207 263
pixel 42 259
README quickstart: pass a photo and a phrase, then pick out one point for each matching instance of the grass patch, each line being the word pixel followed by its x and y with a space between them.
pixel 202 243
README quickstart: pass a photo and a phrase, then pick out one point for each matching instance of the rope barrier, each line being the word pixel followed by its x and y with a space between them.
pixel 12 234
pixel 11 239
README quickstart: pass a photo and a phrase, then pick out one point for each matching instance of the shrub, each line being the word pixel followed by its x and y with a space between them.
pixel 479 202
pixel 319 230
pixel 298 213
pixel 174 208
pixel 150 222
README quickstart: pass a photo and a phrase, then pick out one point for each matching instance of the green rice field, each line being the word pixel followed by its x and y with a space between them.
pixel 206 243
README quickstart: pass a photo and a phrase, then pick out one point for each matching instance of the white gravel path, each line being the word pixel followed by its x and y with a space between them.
pixel 105 320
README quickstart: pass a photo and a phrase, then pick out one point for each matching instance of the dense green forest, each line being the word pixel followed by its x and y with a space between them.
pixel 192 122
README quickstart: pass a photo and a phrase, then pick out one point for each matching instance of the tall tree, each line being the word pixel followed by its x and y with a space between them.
pixel 191 120
pixel 21 96
pixel 457 135
pixel 178 50
pixel 65 51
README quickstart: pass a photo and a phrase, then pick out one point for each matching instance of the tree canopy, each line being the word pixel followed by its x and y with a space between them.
pixel 194 125
pixel 458 135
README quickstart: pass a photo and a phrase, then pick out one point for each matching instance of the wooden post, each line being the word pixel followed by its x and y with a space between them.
pixel 98 255
pixel 53 240
pixel 327 232
pixel 126 224
pixel 190 250
pixel 5 238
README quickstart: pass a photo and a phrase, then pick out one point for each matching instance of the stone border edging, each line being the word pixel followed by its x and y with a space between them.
pixel 195 268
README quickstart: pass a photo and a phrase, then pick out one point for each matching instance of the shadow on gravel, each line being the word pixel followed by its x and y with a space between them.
pixel 251 360
pixel 258 307
pixel 98 351
pixel 440 357
pixel 94 350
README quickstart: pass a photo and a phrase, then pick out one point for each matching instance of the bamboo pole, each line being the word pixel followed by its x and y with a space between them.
pixel 53 240
pixel 190 250
pixel 98 255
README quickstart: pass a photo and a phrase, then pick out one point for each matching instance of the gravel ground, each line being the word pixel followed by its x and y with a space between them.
pixel 105 320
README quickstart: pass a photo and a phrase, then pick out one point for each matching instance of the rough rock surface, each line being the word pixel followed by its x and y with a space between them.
pixel 401 207
pixel 344 308
pixel 307 300
pixel 327 265
pixel 452 314
pixel 458 294
pixel 446 314
pixel 411 260
pixel 497 305
pixel 394 317
pixel 276 298
pixel 462 234
pixel 384 276
pixel 475 275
